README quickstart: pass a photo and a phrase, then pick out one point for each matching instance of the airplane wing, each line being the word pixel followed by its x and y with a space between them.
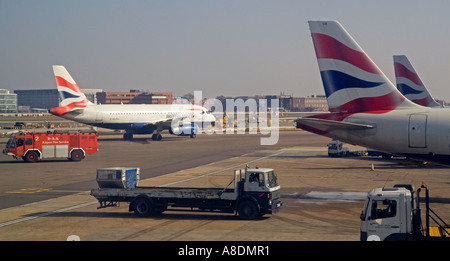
pixel 3 134
pixel 298 115
pixel 330 125
pixel 165 122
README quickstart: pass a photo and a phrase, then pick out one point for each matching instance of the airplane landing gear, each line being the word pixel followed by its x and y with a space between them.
pixel 157 136
pixel 128 136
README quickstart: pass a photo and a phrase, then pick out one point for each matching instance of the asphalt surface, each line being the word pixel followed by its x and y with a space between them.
pixel 322 196
pixel 22 183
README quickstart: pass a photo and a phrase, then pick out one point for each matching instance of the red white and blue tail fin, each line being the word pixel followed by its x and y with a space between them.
pixel 353 83
pixel 409 83
pixel 72 98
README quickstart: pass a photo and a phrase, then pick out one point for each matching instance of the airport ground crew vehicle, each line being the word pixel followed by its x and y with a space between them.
pixel 33 146
pixel 255 192
pixel 394 214
pixel 336 149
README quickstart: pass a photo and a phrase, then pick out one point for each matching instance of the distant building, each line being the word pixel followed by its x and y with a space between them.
pixel 91 94
pixel 284 101
pixel 135 97
pixel 316 103
pixel 8 102
pixel 39 99
pixel 298 103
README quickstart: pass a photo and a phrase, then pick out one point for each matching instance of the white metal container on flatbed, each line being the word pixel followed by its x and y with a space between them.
pixel 255 193
pixel 118 177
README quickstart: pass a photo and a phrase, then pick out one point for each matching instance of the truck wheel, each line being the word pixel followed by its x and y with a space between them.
pixel 248 210
pixel 31 156
pixel 76 155
pixel 142 207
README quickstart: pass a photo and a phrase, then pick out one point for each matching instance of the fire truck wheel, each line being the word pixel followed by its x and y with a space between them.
pixel 76 155
pixel 31 156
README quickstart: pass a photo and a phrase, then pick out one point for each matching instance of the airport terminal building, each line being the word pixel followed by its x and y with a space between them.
pixel 37 99
pixel 30 100
pixel 8 102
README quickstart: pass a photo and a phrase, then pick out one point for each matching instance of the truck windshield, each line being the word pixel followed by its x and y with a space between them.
pixel 10 143
pixel 383 208
pixel 272 179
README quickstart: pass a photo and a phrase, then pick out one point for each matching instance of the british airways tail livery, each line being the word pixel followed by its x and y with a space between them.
pixel 133 118
pixel 365 107
pixel 409 83
pixel 71 96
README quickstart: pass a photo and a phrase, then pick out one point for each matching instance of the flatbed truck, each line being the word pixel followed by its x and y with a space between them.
pixel 336 149
pixel 394 214
pixel 255 193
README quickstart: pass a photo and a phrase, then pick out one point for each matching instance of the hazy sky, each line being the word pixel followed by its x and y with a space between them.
pixel 222 47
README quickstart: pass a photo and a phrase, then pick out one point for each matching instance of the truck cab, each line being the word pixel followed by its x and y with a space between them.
pixel 394 214
pixel 257 193
pixel 18 145
pixel 260 180
pixel 336 149
pixel 387 214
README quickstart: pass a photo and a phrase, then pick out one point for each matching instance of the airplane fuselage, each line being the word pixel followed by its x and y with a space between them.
pixel 142 118
pixel 421 133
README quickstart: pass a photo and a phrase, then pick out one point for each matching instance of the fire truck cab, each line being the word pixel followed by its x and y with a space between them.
pixel 33 147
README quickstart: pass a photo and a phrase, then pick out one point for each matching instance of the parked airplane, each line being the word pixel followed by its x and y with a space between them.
pixel 409 83
pixel 133 118
pixel 365 107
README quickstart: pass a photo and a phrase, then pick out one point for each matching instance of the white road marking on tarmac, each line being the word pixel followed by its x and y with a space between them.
pixel 45 214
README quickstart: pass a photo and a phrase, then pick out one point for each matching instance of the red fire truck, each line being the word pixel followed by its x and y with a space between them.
pixel 36 146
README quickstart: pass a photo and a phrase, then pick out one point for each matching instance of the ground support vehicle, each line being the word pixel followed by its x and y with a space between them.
pixel 394 214
pixel 255 193
pixel 34 146
pixel 336 149
pixel 376 153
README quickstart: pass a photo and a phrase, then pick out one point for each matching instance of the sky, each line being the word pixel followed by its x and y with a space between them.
pixel 220 47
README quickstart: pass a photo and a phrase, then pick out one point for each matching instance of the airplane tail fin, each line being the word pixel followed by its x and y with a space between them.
pixel 72 98
pixel 409 83
pixel 353 83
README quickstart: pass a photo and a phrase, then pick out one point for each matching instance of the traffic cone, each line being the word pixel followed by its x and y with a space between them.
pixel 372 168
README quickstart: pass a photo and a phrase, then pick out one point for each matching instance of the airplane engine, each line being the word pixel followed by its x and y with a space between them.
pixel 190 130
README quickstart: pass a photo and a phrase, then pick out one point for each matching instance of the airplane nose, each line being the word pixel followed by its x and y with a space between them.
pixel 210 118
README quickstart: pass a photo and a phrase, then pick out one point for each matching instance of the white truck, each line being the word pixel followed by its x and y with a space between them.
pixel 394 214
pixel 255 193
pixel 336 149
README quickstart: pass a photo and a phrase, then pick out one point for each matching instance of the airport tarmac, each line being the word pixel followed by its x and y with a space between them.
pixel 322 196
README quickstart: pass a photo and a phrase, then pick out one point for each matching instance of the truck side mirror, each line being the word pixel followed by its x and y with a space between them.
pixel 362 216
